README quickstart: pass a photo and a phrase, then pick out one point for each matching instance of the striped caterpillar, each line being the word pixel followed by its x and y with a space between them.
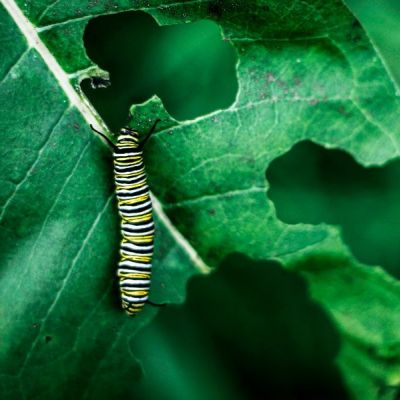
pixel 137 226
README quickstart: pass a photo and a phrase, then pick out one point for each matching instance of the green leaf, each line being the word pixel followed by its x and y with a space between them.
pixel 306 70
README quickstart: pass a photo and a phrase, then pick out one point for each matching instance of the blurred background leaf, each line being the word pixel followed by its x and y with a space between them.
pixel 381 21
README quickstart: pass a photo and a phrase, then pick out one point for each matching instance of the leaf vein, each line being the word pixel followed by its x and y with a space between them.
pixel 28 172
pixel 14 65
pixel 46 9
pixel 65 280
pixel 214 196
pixel 66 181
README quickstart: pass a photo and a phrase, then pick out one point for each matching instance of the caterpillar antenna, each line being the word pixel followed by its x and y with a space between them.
pixel 103 136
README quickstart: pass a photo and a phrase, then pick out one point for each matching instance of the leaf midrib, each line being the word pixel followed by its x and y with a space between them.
pixel 90 115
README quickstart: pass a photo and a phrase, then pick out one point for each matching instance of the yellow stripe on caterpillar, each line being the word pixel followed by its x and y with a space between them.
pixel 129 174
pixel 133 276
pixel 135 293
pixel 124 164
pixel 124 186
pixel 142 239
pixel 140 218
pixel 137 258
pixel 123 158
pixel 134 200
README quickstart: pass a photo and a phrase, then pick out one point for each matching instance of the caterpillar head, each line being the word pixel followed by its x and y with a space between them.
pixel 129 131
pixel 129 135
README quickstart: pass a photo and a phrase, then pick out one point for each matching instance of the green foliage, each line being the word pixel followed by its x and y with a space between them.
pixel 306 70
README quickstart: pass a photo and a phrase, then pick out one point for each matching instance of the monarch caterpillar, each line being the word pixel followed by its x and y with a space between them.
pixel 137 226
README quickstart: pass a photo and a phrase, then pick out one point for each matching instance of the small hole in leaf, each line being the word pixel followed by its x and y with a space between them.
pixel 313 185
pixel 48 339
pixel 189 66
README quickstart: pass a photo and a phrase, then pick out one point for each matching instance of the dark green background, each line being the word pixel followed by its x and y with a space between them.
pixel 250 330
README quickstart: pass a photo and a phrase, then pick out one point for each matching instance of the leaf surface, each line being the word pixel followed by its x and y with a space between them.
pixel 306 70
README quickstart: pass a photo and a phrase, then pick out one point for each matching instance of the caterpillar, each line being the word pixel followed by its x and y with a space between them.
pixel 137 225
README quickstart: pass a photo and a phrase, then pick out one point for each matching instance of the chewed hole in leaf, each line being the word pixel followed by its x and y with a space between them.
pixel 313 185
pixel 189 66
pixel 253 330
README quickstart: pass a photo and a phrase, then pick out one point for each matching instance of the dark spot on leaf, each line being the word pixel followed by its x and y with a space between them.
pixel 48 339
pixel 92 3
pixel 297 81
pixel 342 110
pixel 211 211
pixel 281 83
